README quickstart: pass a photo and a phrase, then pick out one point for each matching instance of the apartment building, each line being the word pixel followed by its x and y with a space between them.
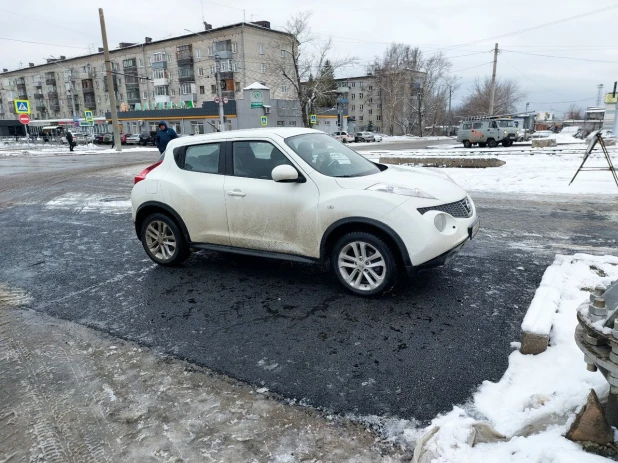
pixel 368 100
pixel 178 72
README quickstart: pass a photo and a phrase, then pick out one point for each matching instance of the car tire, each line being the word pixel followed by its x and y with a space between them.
pixel 467 144
pixel 349 260
pixel 482 145
pixel 507 143
pixel 492 143
pixel 163 241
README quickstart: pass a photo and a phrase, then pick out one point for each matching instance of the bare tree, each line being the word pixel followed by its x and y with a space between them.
pixel 508 94
pixel 574 112
pixel 310 68
pixel 412 88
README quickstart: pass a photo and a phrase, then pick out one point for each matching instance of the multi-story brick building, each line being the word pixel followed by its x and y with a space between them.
pixel 178 72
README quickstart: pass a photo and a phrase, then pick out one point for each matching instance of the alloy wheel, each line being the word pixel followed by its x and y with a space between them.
pixel 362 266
pixel 160 240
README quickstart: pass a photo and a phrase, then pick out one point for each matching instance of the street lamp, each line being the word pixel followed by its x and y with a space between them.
pixel 219 93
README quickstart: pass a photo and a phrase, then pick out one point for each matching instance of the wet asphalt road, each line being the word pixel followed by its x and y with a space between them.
pixel 291 327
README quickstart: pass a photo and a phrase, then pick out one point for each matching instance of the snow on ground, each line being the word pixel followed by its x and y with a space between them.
pixel 528 172
pixel 79 202
pixel 33 151
pixel 535 401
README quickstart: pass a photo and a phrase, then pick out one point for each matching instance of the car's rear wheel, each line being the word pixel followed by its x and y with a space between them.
pixel 163 241
pixel 467 144
pixel 364 264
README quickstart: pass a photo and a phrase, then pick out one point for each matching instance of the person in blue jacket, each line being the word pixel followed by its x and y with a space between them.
pixel 164 136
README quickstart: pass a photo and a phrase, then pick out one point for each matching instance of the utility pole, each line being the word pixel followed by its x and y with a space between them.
pixel 450 114
pixel 599 94
pixel 492 95
pixel 218 77
pixel 110 84
pixel 615 110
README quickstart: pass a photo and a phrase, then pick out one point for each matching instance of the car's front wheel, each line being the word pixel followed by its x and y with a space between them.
pixel 364 264
pixel 163 241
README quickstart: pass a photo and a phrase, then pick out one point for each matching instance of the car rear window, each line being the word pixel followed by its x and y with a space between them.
pixel 203 158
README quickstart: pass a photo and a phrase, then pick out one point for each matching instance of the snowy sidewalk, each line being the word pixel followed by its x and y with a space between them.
pixel 72 394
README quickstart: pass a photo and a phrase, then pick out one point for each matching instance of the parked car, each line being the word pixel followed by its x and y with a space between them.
pixel 343 137
pixel 133 139
pixel 364 136
pixel 78 138
pixel 573 130
pixel 509 130
pixel 377 137
pixel 484 132
pixel 318 200
pixel 107 138
pixel 542 134
pixel 123 138
pixel 146 138
pixel 98 138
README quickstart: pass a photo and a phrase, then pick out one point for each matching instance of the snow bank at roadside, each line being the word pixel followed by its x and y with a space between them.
pixel 64 151
pixel 535 401
pixel 79 202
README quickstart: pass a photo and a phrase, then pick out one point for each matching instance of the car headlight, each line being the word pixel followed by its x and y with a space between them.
pixel 400 190
pixel 505 132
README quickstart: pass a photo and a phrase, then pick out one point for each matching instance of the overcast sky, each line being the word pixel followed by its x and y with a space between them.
pixel 362 28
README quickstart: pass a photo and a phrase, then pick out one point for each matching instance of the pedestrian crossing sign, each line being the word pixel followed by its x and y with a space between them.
pixel 88 116
pixel 314 119
pixel 264 120
pixel 22 106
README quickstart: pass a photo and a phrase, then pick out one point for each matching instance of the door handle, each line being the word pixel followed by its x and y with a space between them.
pixel 236 193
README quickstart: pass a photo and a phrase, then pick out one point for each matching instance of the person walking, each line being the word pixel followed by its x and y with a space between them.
pixel 69 137
pixel 164 136
pixel 113 141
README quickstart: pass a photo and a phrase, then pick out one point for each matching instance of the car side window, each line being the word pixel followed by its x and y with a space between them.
pixel 494 125
pixel 203 158
pixel 256 159
pixel 477 125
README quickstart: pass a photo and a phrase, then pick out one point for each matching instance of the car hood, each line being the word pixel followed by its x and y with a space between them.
pixel 437 184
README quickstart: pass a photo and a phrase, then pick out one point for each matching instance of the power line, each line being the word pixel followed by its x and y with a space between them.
pixel 561 57
pixel 43 43
pixel 45 22
pixel 473 67
pixel 563 102
pixel 531 79
pixel 540 26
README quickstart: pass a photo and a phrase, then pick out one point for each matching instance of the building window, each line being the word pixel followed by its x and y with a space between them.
pixel 120 96
pixel 361 84
pixel 370 87
pixel 283 52
pixel 129 63
pixel 361 107
pixel 173 92
pixel 292 123
pixel 97 84
pixel 145 95
pixel 353 84
pixel 158 57
pixel 378 118
pixel 280 123
pixel 353 107
pixel 213 69
pixel 235 67
pixel 360 118
pixel 360 95
pixel 162 90
pixel 261 48
pixel 99 99
pixel 353 96
pixel 213 89
pixel 198 53
pixel 370 100
pixel 209 51
pixel 169 58
pixel 107 97
pixel 141 63
pixel 284 89
pixel 200 71
pixel 186 89
pixel 234 47
pixel 262 68
pixel 370 112
pixel 238 88
pixel 202 90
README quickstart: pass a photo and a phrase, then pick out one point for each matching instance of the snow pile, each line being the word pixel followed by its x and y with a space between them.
pixel 535 402
pixel 64 151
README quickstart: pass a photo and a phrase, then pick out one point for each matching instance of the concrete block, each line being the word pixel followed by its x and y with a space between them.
pixel 590 424
pixel 443 161
pixel 543 142
pixel 533 344
pixel 610 141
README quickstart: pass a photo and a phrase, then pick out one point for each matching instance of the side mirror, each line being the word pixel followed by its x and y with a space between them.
pixel 285 173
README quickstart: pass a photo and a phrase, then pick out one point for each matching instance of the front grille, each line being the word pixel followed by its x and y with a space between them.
pixel 459 209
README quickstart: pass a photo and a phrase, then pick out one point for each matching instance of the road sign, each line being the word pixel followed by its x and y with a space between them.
pixel 87 124
pixel 263 120
pixel 88 116
pixel 76 123
pixel 22 106
pixel 314 119
pixel 225 100
pixel 24 119
pixel 75 119
pixel 217 100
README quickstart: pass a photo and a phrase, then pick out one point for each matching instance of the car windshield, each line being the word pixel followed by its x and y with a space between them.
pixel 329 157
pixel 506 124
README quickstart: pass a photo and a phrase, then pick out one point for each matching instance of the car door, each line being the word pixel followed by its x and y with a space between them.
pixel 195 190
pixel 264 214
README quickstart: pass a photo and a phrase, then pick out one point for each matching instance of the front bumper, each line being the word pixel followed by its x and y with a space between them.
pixel 449 255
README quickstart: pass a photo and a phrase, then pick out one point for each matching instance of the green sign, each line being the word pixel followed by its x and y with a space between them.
pixel 314 119
pixel 257 99
pixel 263 120
pixel 87 124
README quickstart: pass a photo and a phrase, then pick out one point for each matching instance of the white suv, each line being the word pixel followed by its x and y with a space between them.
pixel 298 194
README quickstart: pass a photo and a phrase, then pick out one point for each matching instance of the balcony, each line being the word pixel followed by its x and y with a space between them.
pixel 20 81
pixel 87 75
pixel 131 82
pixel 90 104
pixel 186 78
pixel 185 57
pixel 224 54
pixel 22 95
pixel 162 99
pixel 50 81
pixel 52 95
pixel 40 107
pixel 54 106
pixel 188 97
pixel 38 96
pixel 38 84
pixel 161 81
pixel 228 75
pixel 88 90
pixel 228 94
pixel 133 99
pixel 159 64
